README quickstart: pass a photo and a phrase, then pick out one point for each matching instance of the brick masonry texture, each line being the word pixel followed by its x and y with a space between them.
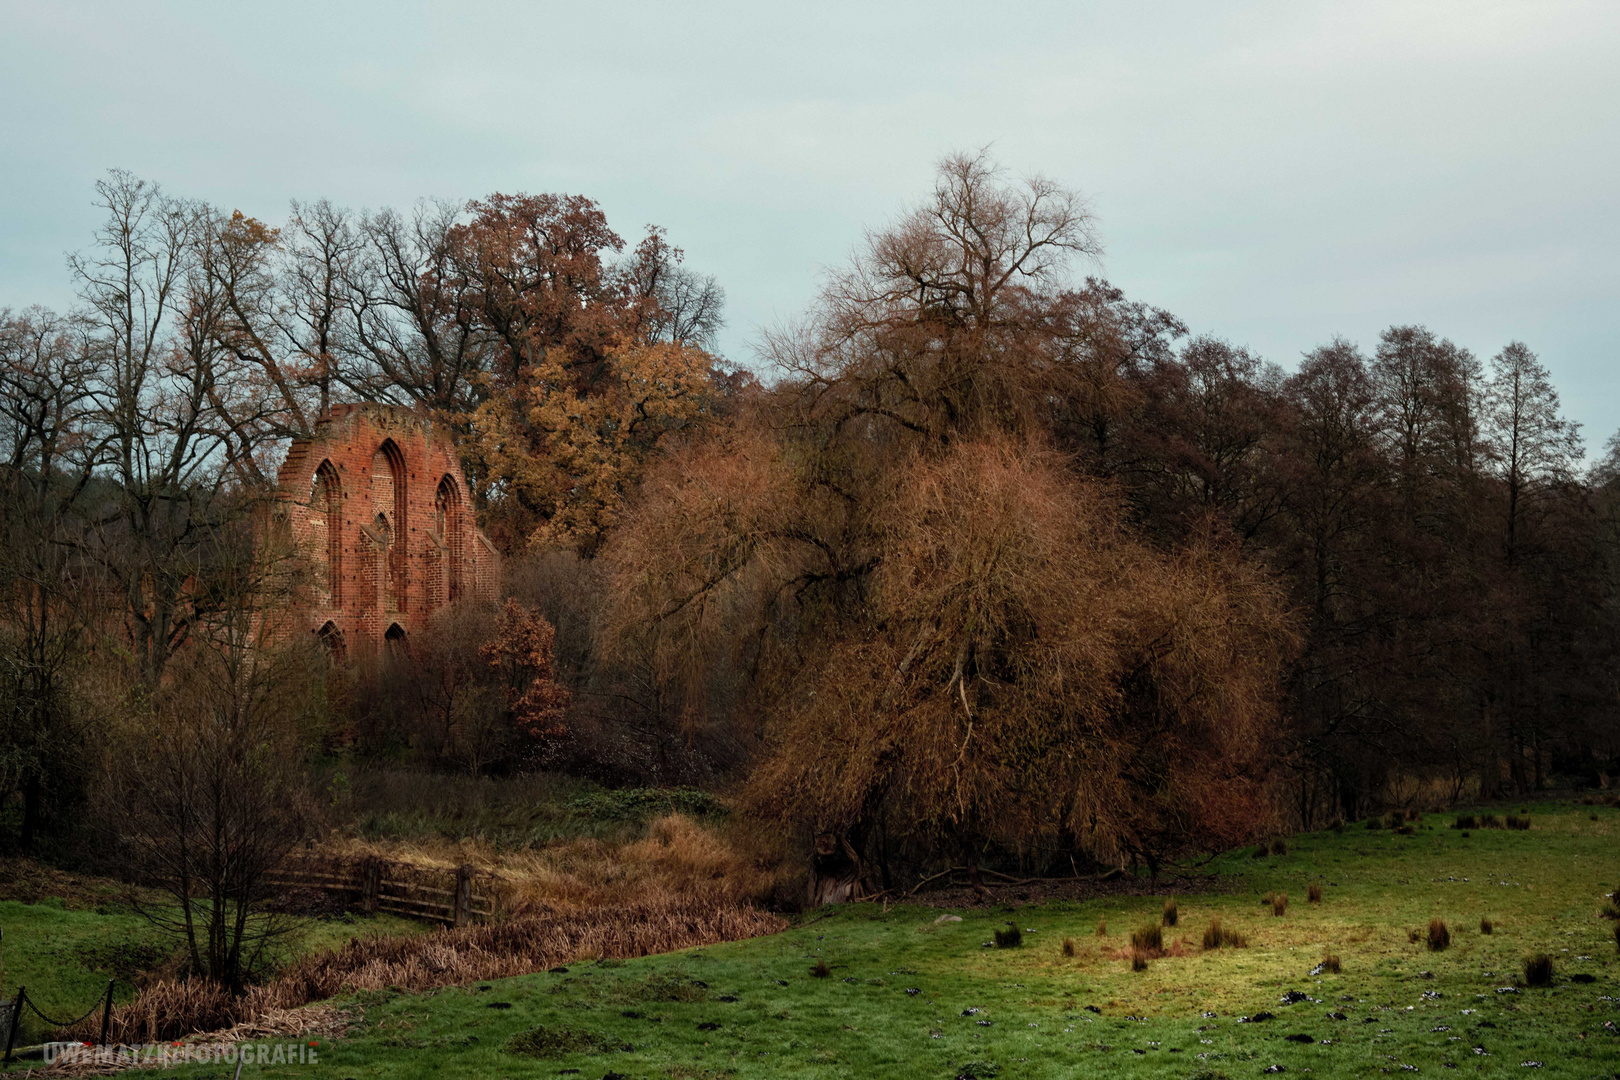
pixel 377 502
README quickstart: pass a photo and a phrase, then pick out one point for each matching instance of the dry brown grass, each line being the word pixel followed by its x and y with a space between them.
pixel 1486 926
pixel 1171 913
pixel 677 857
pixel 683 884
pixel 1279 905
pixel 1102 927
pixel 1332 964
pixel 1217 936
pixel 1068 946
pixel 515 946
pixel 1313 894
pixel 1439 935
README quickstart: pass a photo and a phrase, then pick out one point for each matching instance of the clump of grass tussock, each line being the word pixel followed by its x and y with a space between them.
pixel 1486 926
pixel 1538 970
pixel 1279 905
pixel 1010 938
pixel 820 969
pixel 1262 851
pixel 1465 821
pixel 1374 824
pixel 515 946
pixel 1609 911
pixel 1171 913
pixel 1313 894
pixel 1331 964
pixel 1491 821
pixel 1394 819
pixel 1102 927
pixel 1439 935
pixel 1515 821
pixel 1068 946
pixel 1279 846
pixel 1617 935
pixel 1148 937
pixel 1139 959
pixel 1217 936
pixel 550 1042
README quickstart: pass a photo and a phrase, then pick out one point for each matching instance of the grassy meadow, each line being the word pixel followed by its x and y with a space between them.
pixel 907 996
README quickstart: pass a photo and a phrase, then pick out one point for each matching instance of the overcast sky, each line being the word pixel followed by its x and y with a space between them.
pixel 1273 173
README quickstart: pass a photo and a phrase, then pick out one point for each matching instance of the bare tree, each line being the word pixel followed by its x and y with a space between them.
pixel 209 777
pixel 47 593
pixel 1532 445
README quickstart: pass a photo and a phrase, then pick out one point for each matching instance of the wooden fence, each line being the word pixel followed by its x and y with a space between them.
pixel 454 897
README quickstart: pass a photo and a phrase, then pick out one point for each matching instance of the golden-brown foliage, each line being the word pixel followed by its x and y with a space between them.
pixel 935 618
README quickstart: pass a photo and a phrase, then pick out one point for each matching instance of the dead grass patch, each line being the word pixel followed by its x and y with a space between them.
pixel 516 946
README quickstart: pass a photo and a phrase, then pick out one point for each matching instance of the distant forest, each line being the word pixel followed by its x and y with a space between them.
pixel 985 556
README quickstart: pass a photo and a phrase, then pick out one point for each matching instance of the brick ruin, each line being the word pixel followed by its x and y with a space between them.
pixel 377 501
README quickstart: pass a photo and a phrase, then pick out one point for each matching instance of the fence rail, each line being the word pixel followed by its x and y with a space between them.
pixel 455 897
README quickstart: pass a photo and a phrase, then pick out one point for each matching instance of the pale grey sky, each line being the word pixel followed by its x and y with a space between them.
pixel 1274 173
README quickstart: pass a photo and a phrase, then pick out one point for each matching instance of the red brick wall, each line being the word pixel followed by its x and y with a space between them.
pixel 377 502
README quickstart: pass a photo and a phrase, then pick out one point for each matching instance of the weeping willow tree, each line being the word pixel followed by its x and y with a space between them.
pixel 940 626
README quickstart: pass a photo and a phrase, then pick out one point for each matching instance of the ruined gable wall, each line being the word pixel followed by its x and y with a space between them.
pixel 377 502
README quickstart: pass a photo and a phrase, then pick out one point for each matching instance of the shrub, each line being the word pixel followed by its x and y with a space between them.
pixel 1010 938
pixel 1139 960
pixel 1102 927
pixel 821 970
pixel 1068 946
pixel 1538 970
pixel 1331 964
pixel 1439 935
pixel 1486 926
pixel 1217 936
pixel 1148 937
pixel 1279 905
pixel 1171 913
pixel 1465 821
pixel 1313 894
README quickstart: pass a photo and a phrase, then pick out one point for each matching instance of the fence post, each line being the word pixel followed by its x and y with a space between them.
pixel 370 884
pixel 106 1015
pixel 16 1022
pixel 463 911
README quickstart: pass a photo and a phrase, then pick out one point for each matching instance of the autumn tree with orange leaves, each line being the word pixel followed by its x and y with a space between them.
pixel 519 652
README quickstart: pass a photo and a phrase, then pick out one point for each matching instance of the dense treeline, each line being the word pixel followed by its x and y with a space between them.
pixel 1001 562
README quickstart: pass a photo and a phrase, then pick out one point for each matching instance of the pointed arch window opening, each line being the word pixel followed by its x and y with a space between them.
pixel 388 500
pixel 326 521
pixel 447 527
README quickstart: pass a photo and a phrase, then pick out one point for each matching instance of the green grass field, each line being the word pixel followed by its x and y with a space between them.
pixel 907 997
pixel 65 955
